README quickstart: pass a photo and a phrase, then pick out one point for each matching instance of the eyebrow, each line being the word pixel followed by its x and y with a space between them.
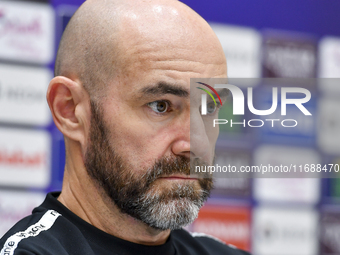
pixel 163 88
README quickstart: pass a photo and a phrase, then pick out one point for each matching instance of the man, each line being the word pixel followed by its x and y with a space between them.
pixel 121 99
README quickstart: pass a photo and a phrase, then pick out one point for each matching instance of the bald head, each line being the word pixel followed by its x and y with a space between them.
pixel 105 39
pixel 135 59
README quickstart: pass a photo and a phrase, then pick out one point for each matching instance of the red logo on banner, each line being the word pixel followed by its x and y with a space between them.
pixel 20 157
pixel 229 224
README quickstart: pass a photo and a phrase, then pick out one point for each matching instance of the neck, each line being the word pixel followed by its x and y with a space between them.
pixel 86 199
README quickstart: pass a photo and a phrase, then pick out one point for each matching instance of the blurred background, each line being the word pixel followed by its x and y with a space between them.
pixel 261 39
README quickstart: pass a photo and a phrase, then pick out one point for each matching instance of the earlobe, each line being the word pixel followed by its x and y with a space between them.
pixel 64 97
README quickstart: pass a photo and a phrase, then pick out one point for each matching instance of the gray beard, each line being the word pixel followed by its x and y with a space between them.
pixel 136 195
pixel 173 214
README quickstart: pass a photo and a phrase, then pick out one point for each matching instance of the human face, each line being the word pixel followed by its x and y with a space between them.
pixel 146 108
pixel 135 193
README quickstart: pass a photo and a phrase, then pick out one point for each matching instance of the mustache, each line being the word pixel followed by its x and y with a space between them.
pixel 174 165
pixel 167 166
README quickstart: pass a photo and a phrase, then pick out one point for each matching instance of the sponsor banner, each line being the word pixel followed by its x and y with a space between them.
pixel 239 187
pixel 25 158
pixel 15 205
pixel 23 94
pixel 287 55
pixel 242 49
pixel 328 132
pixel 26 32
pixel 302 190
pixel 329 60
pixel 329 65
pixel 227 223
pixel 334 186
pixel 331 187
pixel 305 131
pixel 330 232
pixel 285 231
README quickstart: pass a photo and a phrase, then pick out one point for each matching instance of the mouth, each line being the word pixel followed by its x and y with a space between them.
pixel 178 177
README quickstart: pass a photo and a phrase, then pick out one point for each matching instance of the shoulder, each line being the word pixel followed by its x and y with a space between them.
pixel 28 235
pixel 25 229
pixel 43 232
pixel 209 244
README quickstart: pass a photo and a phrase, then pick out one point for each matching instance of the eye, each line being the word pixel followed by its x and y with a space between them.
pixel 160 106
pixel 211 107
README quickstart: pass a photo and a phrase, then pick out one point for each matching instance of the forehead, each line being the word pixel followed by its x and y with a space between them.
pixel 158 66
pixel 164 46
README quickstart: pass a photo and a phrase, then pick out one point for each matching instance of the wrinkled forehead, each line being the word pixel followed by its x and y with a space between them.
pixel 165 33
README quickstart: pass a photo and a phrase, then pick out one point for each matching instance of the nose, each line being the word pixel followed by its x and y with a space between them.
pixel 181 146
pixel 201 146
pixel 193 141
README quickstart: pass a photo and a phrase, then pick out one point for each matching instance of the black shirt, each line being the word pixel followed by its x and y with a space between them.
pixel 52 229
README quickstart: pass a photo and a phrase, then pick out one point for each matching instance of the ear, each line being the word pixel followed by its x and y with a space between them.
pixel 70 107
